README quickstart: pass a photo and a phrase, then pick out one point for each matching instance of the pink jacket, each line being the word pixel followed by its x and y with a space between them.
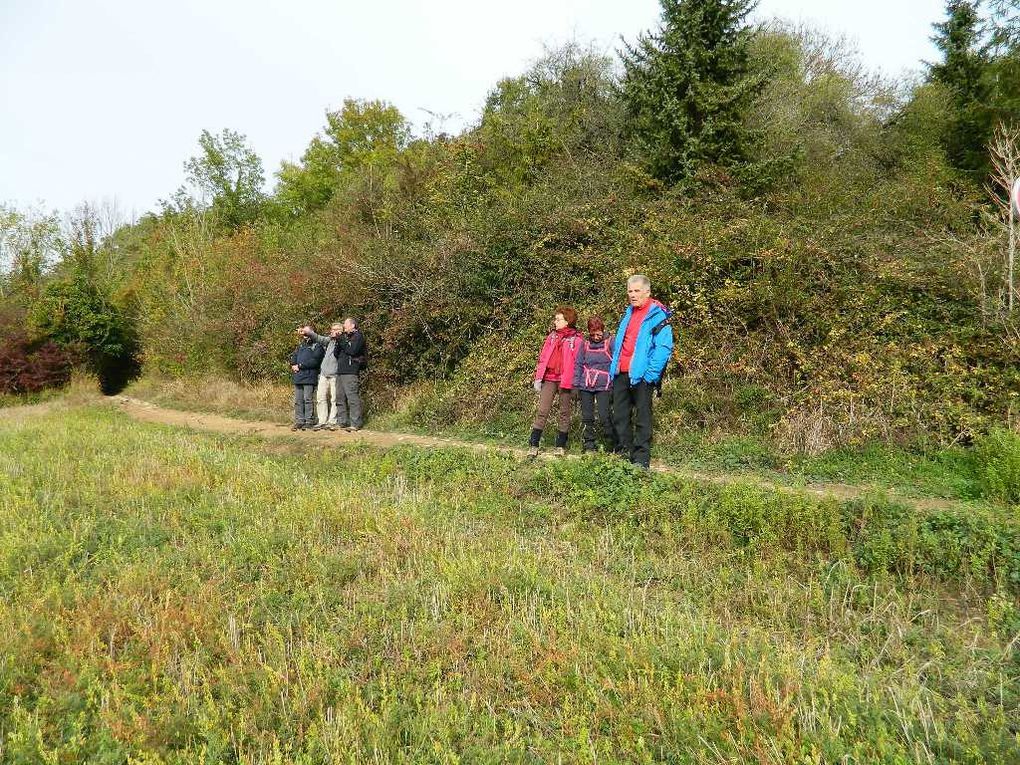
pixel 569 345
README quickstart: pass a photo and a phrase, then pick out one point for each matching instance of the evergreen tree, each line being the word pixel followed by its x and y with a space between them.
pixel 1004 71
pixel 686 87
pixel 964 69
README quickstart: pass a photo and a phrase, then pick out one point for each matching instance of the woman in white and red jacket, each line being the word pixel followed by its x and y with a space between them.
pixel 554 374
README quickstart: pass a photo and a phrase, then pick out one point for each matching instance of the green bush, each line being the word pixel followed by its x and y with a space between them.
pixel 997 465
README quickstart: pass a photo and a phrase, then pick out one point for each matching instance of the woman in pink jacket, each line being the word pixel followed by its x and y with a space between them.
pixel 554 374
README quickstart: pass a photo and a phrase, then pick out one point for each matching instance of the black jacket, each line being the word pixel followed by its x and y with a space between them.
pixel 350 353
pixel 308 356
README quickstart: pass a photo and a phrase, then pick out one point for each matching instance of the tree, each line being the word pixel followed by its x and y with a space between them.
pixel 76 312
pixel 563 106
pixel 686 87
pixel 1003 74
pixel 963 70
pixel 30 242
pixel 230 175
pixel 361 136
pixel 1005 25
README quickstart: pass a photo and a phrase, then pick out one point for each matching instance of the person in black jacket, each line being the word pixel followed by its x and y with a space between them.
pixel 351 355
pixel 304 366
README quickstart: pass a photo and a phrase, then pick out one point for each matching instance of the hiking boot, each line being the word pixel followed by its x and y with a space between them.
pixel 331 427
pixel 318 427
pixel 533 452
pixel 295 427
pixel 560 451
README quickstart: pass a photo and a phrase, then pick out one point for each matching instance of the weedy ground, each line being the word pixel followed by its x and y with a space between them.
pixel 169 596
pixel 954 473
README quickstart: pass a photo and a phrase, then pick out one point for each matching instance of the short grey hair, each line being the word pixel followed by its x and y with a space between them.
pixel 353 321
pixel 641 279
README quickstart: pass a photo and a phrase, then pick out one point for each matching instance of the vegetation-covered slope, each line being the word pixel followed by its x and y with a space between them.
pixel 834 262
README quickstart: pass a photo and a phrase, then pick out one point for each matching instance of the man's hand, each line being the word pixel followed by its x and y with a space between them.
pixel 537 385
pixel 295 368
pixel 307 331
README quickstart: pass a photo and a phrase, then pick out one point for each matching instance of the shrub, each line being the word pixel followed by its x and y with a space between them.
pixel 28 371
pixel 997 465
pixel 27 367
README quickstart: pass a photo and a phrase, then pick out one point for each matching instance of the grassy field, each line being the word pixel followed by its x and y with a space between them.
pixel 167 596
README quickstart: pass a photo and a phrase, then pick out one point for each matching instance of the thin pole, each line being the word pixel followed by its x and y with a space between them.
pixel 1012 243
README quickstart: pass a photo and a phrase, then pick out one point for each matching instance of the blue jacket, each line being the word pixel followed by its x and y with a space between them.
pixel 650 354
pixel 308 356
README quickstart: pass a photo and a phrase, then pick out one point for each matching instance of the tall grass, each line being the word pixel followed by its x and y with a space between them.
pixel 172 597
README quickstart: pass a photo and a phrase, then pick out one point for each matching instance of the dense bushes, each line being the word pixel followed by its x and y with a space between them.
pixel 76 312
pixel 997 466
pixel 27 365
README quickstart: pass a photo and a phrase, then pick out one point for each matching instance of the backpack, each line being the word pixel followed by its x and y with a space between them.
pixel 590 376
pixel 363 358
pixel 656 330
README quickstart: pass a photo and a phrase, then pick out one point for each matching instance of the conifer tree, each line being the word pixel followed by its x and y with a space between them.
pixel 963 70
pixel 686 87
pixel 1004 71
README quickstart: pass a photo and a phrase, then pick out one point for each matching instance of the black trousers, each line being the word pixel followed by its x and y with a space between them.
pixel 602 403
pixel 632 413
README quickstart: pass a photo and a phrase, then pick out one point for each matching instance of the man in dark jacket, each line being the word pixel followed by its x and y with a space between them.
pixel 304 366
pixel 350 353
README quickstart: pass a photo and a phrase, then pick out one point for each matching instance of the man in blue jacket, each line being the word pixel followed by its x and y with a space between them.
pixel 641 349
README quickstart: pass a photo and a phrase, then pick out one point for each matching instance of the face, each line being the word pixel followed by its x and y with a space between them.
pixel 597 336
pixel 559 322
pixel 638 294
pixel 335 330
pixel 349 326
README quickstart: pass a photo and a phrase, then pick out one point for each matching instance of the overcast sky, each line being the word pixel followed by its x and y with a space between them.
pixel 105 99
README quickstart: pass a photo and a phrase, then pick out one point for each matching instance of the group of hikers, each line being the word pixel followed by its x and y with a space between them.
pixel 615 376
pixel 329 364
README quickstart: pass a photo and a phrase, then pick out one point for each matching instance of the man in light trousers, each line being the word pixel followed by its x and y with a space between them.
pixel 325 397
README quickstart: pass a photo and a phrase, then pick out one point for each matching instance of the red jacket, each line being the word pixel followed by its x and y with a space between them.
pixel 567 343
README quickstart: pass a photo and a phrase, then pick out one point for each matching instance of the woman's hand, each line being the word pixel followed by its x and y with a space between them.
pixel 537 385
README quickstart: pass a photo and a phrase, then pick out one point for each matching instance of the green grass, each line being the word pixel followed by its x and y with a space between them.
pixel 168 596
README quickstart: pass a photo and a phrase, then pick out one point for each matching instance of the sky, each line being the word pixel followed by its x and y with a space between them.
pixel 104 100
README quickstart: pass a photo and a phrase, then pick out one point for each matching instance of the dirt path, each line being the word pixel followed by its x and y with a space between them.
pixel 146 412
